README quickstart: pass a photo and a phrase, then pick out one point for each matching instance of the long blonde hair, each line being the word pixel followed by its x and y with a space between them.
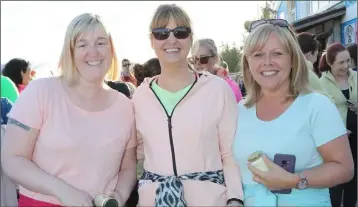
pixel 255 41
pixel 77 26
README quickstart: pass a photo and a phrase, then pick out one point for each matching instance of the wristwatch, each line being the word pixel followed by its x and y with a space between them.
pixel 302 182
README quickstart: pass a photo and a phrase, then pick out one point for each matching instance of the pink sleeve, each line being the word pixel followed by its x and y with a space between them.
pixel 235 88
pixel 28 108
pixel 227 128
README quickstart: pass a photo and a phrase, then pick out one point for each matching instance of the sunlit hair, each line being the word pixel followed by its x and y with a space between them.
pixel 165 12
pixel 255 41
pixel 210 45
pixel 80 24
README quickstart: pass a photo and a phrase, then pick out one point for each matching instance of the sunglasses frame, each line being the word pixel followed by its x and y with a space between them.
pixel 166 32
pixel 195 60
pixel 275 22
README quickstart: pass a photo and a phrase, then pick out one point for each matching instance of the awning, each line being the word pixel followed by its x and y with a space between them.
pixel 318 18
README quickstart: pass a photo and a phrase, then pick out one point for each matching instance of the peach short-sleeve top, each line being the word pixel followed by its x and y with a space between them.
pixel 82 148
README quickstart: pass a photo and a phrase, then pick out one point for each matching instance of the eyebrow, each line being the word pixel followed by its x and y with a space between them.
pixel 99 38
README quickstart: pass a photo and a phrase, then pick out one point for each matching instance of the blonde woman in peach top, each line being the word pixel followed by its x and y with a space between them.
pixel 71 137
pixel 186 124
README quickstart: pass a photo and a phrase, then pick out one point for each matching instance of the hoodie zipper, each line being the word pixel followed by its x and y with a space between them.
pixel 169 120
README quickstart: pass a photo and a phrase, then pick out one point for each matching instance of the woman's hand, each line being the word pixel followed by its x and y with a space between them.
pixel 276 178
pixel 116 196
pixel 353 107
pixel 70 196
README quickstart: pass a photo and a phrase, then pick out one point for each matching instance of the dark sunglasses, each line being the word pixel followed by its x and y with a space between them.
pixel 126 65
pixel 201 59
pixel 276 22
pixel 178 32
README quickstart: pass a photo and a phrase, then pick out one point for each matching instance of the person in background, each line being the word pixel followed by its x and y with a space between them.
pixel 341 83
pixel 187 153
pixel 126 75
pixel 224 74
pixel 282 116
pixel 19 71
pixel 310 48
pixel 148 69
pixel 205 56
pixel 6 106
pixel 93 149
pixel 8 89
pixel 352 49
pixel 120 87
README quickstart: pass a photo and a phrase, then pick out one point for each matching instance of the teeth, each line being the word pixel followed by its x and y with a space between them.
pixel 93 63
pixel 172 50
pixel 269 73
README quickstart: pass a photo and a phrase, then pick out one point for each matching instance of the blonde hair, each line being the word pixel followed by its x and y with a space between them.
pixel 77 26
pixel 255 41
pixel 210 45
pixel 165 12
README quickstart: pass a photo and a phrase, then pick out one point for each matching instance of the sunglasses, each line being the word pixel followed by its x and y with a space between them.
pixel 201 59
pixel 178 32
pixel 276 22
pixel 126 65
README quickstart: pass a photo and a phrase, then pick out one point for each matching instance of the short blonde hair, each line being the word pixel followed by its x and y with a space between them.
pixel 77 26
pixel 255 41
pixel 165 12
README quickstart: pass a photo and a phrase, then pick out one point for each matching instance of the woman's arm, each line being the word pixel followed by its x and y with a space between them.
pixel 338 165
pixel 18 145
pixel 227 127
pixel 127 176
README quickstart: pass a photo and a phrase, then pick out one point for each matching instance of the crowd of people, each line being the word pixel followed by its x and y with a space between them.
pixel 184 122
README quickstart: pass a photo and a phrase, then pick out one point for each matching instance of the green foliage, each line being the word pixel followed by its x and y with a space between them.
pixel 266 13
pixel 232 56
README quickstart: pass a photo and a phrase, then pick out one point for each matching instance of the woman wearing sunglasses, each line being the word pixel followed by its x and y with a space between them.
pixel 185 125
pixel 205 57
pixel 299 130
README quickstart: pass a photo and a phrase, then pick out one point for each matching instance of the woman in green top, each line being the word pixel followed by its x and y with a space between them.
pixel 8 89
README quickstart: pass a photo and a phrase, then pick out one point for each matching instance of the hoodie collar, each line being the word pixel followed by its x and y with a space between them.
pixel 203 78
pixel 328 75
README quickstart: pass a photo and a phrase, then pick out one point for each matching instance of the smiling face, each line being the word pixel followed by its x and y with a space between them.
pixel 271 66
pixel 171 50
pixel 92 54
pixel 341 64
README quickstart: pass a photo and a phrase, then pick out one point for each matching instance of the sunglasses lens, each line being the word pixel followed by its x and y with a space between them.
pixel 160 33
pixel 181 32
pixel 254 24
pixel 204 60
pixel 279 22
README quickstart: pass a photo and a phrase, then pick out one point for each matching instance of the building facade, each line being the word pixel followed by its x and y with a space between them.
pixel 331 21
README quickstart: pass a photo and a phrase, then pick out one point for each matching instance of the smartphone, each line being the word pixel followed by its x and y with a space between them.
pixel 287 162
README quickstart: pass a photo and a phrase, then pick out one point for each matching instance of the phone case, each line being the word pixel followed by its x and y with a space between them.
pixel 287 162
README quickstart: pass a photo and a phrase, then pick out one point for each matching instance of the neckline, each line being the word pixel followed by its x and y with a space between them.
pixel 155 80
pixel 70 102
pixel 282 115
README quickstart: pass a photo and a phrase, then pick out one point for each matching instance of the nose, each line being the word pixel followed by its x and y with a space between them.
pixel 346 65
pixel 92 50
pixel 171 37
pixel 267 60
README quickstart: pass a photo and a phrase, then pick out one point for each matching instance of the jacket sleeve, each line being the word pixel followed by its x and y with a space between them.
pixel 227 128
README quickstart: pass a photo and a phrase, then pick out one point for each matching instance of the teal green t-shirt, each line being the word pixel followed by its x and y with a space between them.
pixel 8 89
pixel 169 99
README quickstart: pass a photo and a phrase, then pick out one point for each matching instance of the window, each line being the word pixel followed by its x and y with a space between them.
pixel 291 10
pixel 281 15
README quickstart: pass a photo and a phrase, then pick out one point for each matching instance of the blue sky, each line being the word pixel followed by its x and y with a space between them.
pixel 35 30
